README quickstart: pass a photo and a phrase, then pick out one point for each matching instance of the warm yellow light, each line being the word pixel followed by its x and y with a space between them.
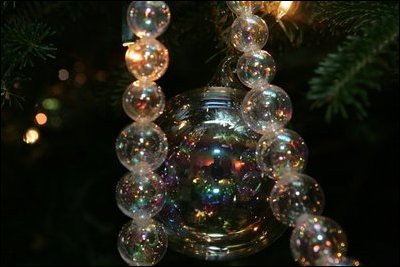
pixel 41 118
pixel 283 8
pixel 31 136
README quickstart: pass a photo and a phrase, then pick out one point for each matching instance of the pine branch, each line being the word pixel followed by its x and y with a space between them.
pixel 350 16
pixel 343 77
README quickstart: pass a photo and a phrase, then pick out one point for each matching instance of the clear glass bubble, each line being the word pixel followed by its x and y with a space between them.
pixel 267 108
pixel 140 195
pixel 141 142
pixel 217 200
pixel 337 261
pixel 256 68
pixel 281 152
pixel 249 32
pixel 142 244
pixel 147 59
pixel 148 18
pixel 143 101
pixel 244 7
pixel 294 195
pixel 315 237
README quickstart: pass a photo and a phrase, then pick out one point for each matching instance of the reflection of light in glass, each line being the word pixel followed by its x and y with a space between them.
pixel 216 190
pixel 31 136
pixel 51 103
pixel 283 8
pixel 41 118
pixel 217 151
pixel 63 74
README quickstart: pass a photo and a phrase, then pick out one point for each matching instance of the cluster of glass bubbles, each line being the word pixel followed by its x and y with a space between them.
pixel 296 199
pixel 142 146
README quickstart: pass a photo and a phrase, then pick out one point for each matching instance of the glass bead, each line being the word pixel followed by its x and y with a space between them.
pixel 337 261
pixel 294 195
pixel 280 152
pixel 256 68
pixel 249 32
pixel 143 101
pixel 244 7
pixel 267 108
pixel 141 142
pixel 315 237
pixel 148 18
pixel 140 195
pixel 147 59
pixel 142 244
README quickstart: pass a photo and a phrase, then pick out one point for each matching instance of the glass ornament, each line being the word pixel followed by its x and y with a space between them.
pixel 141 142
pixel 147 59
pixel 244 7
pixel 337 261
pixel 281 152
pixel 294 195
pixel 217 201
pixel 140 195
pixel 256 68
pixel 267 108
pixel 315 237
pixel 142 244
pixel 143 101
pixel 148 18
pixel 249 32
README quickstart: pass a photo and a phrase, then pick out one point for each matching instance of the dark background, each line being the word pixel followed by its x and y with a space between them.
pixel 57 196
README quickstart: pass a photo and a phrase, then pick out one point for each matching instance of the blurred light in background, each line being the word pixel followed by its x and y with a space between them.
pixel 31 136
pixel 63 75
pixel 41 118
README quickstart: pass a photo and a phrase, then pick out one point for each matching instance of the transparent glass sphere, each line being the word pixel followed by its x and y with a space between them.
pixel 142 244
pixel 249 32
pixel 256 68
pixel 140 195
pixel 294 195
pixel 217 200
pixel 281 152
pixel 148 18
pixel 244 7
pixel 267 108
pixel 147 59
pixel 337 261
pixel 143 101
pixel 315 237
pixel 141 142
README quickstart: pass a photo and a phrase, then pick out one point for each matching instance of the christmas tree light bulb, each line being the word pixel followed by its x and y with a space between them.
pixel 283 8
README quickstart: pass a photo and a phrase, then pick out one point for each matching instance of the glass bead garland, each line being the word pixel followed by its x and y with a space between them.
pixel 142 146
pixel 296 199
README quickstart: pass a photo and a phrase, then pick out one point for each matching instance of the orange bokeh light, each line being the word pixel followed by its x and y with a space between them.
pixel 41 118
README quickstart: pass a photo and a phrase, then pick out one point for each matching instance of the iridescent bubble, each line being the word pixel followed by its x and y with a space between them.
pixel 143 101
pixel 256 68
pixel 337 261
pixel 315 237
pixel 141 142
pixel 294 195
pixel 244 7
pixel 142 244
pixel 148 18
pixel 280 152
pixel 140 195
pixel 249 32
pixel 267 108
pixel 218 202
pixel 147 59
